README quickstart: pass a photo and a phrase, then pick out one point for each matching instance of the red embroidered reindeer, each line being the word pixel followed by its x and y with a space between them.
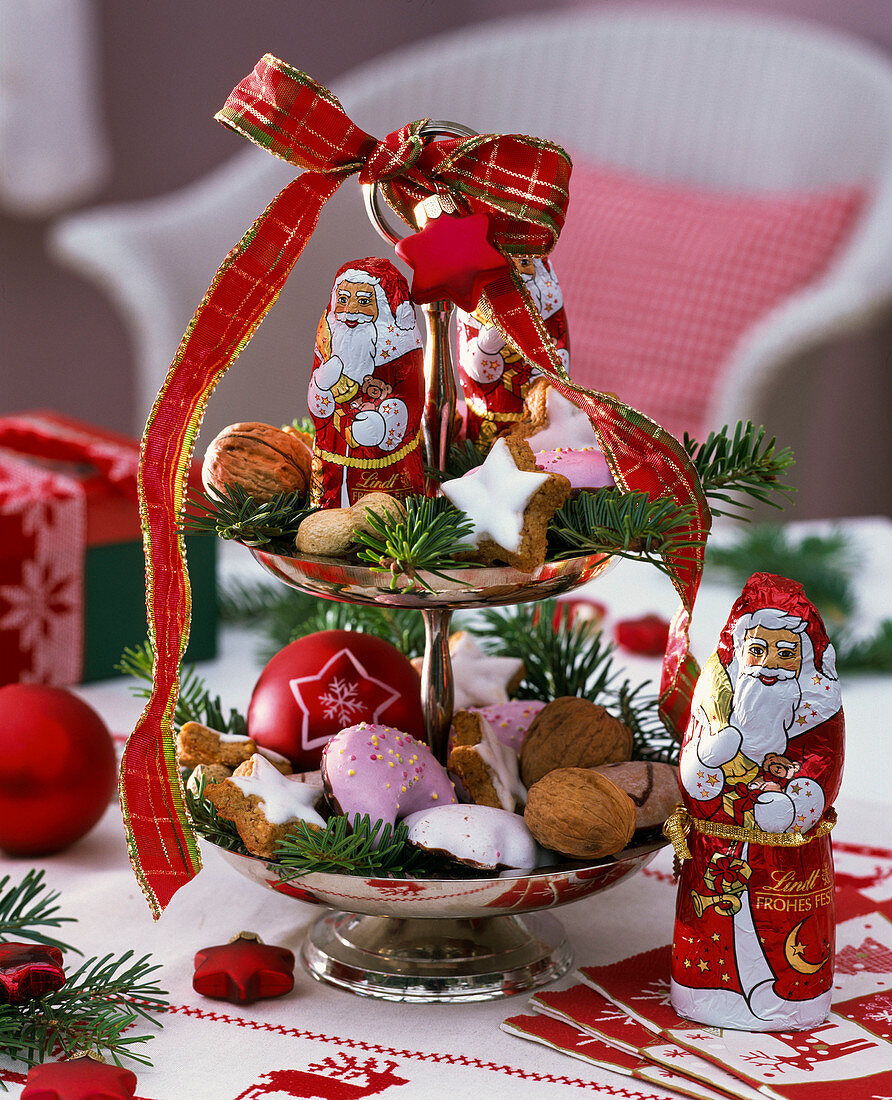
pixel 809 1051
pixel 343 1077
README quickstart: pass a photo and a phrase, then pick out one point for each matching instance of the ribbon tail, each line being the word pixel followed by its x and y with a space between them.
pixel 160 839
pixel 642 457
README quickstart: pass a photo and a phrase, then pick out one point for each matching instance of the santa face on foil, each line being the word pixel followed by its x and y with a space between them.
pixel 494 378
pixel 762 755
pixel 367 388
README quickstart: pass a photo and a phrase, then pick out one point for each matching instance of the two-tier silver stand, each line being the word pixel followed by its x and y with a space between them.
pixel 462 939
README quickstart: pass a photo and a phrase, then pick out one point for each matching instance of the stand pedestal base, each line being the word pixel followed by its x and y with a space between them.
pixel 436 959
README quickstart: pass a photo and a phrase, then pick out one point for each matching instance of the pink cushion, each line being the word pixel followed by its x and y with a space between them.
pixel 662 280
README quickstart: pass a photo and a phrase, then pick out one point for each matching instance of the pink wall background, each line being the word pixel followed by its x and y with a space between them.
pixel 166 67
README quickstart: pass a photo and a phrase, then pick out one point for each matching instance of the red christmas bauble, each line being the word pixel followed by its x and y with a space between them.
pixel 79 1079
pixel 57 769
pixel 244 970
pixel 327 681
pixel 646 636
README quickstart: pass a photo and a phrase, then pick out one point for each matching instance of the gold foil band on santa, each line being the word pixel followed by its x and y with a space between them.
pixel 372 463
pixel 680 822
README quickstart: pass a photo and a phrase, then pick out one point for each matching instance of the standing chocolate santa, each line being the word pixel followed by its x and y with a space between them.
pixel 366 391
pixel 493 376
pixel 760 766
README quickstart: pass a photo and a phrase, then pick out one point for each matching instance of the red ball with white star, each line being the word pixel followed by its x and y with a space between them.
pixel 325 682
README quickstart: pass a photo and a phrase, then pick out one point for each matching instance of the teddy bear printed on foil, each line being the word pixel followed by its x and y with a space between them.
pixel 493 376
pixel 366 391
pixel 761 763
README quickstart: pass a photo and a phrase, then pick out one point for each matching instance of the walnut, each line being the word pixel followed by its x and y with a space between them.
pixel 572 733
pixel 580 813
pixel 262 459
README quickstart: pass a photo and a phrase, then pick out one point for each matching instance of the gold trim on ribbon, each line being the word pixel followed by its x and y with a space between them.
pixel 679 824
pixel 371 463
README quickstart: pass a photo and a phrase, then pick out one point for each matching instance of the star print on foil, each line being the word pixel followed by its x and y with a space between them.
pixel 452 257
pixel 343 693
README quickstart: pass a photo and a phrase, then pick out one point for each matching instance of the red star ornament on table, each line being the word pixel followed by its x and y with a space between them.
pixel 28 971
pixel 244 970
pixel 83 1077
pixel 452 257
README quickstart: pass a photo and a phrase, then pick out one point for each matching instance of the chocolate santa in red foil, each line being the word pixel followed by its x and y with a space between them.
pixel 760 766
pixel 494 378
pixel 366 391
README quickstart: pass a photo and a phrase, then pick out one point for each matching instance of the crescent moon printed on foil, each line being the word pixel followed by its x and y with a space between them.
pixel 793 952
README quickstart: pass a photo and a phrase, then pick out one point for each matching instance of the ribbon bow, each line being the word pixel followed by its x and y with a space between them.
pixel 522 184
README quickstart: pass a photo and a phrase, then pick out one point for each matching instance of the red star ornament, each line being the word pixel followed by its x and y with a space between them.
pixel 83 1078
pixel 452 257
pixel 244 970
pixel 28 971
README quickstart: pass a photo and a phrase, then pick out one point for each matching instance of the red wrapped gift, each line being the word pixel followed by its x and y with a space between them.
pixel 72 587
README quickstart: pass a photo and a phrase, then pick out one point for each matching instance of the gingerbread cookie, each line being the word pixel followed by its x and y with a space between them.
pixel 265 805
pixel 653 787
pixel 479 679
pixel 553 421
pixel 510 720
pixel 476 836
pixel 487 769
pixel 510 504
pixel 199 744
pixel 382 772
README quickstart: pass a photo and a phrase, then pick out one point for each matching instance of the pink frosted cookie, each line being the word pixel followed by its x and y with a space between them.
pixel 382 772
pixel 584 467
pixel 510 720
pixel 479 836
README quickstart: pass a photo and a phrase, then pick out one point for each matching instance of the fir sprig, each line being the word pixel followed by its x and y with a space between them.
pixel 287 614
pixel 98 1004
pixel 194 703
pixel 234 514
pixel 825 565
pixel 352 848
pixel 463 457
pixel 207 822
pixel 629 525
pixel 568 660
pixel 28 907
pixel 564 658
pixel 741 464
pixel 425 540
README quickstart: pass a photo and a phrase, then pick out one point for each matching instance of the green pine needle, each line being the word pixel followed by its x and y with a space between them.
pixel 629 525
pixel 742 464
pixel 194 703
pixel 360 848
pixel 233 514
pixel 27 907
pixel 207 822
pixel 572 659
pixel 426 540
pixel 94 1010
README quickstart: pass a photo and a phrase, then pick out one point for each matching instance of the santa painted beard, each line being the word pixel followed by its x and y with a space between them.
pixel 354 345
pixel 764 712
pixel 532 284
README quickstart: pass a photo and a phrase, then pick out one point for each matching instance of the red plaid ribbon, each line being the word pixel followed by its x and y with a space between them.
pixel 522 183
